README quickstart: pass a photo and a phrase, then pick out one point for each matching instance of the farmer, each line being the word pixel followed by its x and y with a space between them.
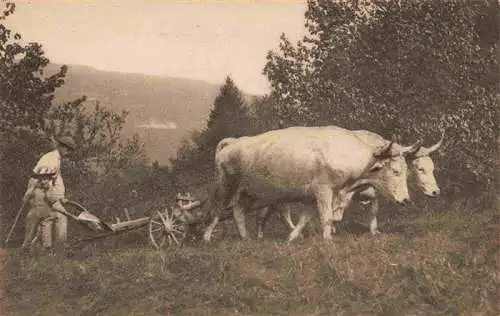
pixel 55 194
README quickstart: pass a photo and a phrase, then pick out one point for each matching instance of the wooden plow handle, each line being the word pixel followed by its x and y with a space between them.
pixel 83 209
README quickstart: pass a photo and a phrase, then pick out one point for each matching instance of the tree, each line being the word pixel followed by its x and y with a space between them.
pixel 263 116
pixel 26 94
pixel 29 119
pixel 227 116
pixel 410 68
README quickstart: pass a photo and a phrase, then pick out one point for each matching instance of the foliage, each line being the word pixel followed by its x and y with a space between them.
pixel 410 68
pixel 229 117
pixel 29 119
pixel 263 116
pixel 26 93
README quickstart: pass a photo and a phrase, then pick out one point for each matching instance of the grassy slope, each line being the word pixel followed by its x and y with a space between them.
pixel 441 264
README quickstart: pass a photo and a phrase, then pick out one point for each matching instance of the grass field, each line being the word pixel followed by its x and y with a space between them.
pixel 430 263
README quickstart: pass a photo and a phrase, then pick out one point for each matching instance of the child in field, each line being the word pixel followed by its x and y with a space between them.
pixel 38 201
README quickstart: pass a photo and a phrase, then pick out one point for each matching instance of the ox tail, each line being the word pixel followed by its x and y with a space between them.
pixel 228 185
pixel 223 143
pixel 230 191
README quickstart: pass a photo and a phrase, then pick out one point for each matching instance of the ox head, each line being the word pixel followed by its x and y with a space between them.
pixel 422 166
pixel 390 171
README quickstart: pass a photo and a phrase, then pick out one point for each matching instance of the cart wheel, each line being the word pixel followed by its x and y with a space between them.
pixel 166 230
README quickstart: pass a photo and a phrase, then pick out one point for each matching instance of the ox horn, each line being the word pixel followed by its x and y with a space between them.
pixel 386 152
pixel 427 151
pixel 412 149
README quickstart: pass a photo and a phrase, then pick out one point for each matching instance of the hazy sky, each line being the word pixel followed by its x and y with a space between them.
pixel 196 39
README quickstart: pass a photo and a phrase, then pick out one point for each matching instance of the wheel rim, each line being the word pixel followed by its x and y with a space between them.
pixel 166 230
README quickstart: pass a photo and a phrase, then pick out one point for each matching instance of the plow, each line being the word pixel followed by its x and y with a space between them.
pixel 165 227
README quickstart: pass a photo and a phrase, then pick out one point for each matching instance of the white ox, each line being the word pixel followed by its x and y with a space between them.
pixel 312 165
pixel 420 165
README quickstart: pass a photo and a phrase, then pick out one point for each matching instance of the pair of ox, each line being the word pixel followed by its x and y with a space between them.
pixel 322 166
pixel 420 166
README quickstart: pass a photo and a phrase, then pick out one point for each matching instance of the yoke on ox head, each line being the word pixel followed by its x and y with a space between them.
pixel 390 171
pixel 422 166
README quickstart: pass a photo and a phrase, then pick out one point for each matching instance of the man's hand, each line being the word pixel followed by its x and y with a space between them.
pixel 27 196
pixel 64 200
pixel 190 206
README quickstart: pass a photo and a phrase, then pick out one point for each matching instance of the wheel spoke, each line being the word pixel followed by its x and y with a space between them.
pixel 166 229
pixel 179 234
pixel 170 215
pixel 175 239
pixel 162 242
pixel 160 216
pixel 163 219
pixel 179 225
pixel 176 229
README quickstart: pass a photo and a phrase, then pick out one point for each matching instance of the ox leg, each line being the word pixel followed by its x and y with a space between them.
pixel 287 216
pixel 304 218
pixel 324 200
pixel 373 217
pixel 262 217
pixel 340 204
pixel 209 230
pixel 239 218
pixel 369 196
pixel 264 213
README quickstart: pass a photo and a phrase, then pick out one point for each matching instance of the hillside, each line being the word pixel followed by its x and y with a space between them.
pixel 163 110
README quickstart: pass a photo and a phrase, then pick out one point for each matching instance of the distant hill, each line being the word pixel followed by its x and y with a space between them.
pixel 163 110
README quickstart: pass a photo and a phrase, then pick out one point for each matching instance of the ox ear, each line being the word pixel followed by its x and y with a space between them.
pixel 413 149
pixel 385 152
pixel 376 167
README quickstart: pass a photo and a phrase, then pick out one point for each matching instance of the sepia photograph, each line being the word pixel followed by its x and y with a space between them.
pixel 249 157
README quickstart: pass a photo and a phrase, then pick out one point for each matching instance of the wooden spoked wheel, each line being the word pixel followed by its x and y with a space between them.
pixel 166 230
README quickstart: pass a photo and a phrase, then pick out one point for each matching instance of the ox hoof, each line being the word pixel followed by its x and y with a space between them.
pixel 327 237
pixel 292 237
pixel 334 230
pixel 337 217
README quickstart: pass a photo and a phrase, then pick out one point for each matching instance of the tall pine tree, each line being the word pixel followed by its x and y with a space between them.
pixel 194 164
pixel 228 117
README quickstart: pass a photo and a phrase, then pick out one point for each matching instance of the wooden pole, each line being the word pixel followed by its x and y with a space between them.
pixel 19 212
